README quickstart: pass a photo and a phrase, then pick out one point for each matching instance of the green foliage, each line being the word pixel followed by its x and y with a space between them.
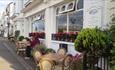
pixel 40 47
pixel 113 19
pixel 50 50
pixel 77 65
pixel 112 29
pixel 20 38
pixel 112 35
pixel 94 41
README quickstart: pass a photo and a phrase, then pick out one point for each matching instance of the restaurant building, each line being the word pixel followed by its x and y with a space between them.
pixel 65 17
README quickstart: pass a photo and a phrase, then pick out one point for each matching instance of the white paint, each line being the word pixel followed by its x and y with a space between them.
pixel 18 6
pixel 92 19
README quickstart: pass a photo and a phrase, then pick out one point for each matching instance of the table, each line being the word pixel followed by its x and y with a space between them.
pixel 55 58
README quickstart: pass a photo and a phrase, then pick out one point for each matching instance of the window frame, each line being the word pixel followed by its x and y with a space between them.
pixel 67 13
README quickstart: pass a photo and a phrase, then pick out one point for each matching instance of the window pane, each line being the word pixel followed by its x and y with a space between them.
pixel 63 8
pixel 76 21
pixel 61 22
pixel 80 4
pixel 38 26
pixel 70 6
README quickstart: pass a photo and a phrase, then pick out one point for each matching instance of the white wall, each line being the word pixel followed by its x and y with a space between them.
pixel 41 7
pixel 102 17
pixel 93 16
pixel 12 9
pixel 18 6
pixel 26 29
pixel 50 25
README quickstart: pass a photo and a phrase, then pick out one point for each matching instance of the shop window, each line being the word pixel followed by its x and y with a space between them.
pixel 38 26
pixel 76 21
pixel 62 22
pixel 72 20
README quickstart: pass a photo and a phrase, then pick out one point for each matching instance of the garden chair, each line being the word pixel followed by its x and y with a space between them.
pixel 67 62
pixel 36 56
pixel 62 51
pixel 21 48
pixel 47 64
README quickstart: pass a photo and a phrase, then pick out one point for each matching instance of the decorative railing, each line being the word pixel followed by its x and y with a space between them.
pixel 100 63
pixel 37 34
pixel 65 36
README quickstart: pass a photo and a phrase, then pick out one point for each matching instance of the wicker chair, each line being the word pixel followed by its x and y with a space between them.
pixel 36 56
pixel 67 62
pixel 61 51
pixel 47 64
pixel 21 48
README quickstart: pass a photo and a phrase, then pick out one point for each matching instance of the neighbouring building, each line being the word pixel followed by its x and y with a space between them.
pixel 7 19
pixel 53 16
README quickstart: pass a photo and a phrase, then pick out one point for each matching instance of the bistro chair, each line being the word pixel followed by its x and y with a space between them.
pixel 47 64
pixel 62 51
pixel 36 56
pixel 67 62
pixel 21 48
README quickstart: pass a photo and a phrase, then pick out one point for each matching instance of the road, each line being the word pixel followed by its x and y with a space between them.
pixel 9 60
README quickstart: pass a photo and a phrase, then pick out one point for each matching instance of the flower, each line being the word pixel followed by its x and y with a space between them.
pixel 37 34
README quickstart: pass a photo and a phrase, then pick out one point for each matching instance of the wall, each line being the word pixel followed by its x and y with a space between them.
pixel 97 13
pixel 93 16
pixel 18 6
pixel 41 7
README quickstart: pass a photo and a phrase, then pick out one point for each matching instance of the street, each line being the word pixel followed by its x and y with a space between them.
pixel 9 60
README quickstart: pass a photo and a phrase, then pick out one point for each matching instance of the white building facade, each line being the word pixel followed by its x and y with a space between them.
pixel 52 16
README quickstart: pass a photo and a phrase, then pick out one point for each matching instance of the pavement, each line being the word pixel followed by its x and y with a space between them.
pixel 9 60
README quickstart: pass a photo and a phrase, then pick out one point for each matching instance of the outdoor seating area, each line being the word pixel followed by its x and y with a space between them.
pixel 90 58
pixel 49 59
pixel 46 58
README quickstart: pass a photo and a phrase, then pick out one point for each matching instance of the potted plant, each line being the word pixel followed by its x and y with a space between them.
pixel 17 33
pixel 41 48
pixel 50 50
pixel 20 38
pixel 93 42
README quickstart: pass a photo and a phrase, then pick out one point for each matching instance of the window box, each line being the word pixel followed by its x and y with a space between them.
pixel 65 36
pixel 37 34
